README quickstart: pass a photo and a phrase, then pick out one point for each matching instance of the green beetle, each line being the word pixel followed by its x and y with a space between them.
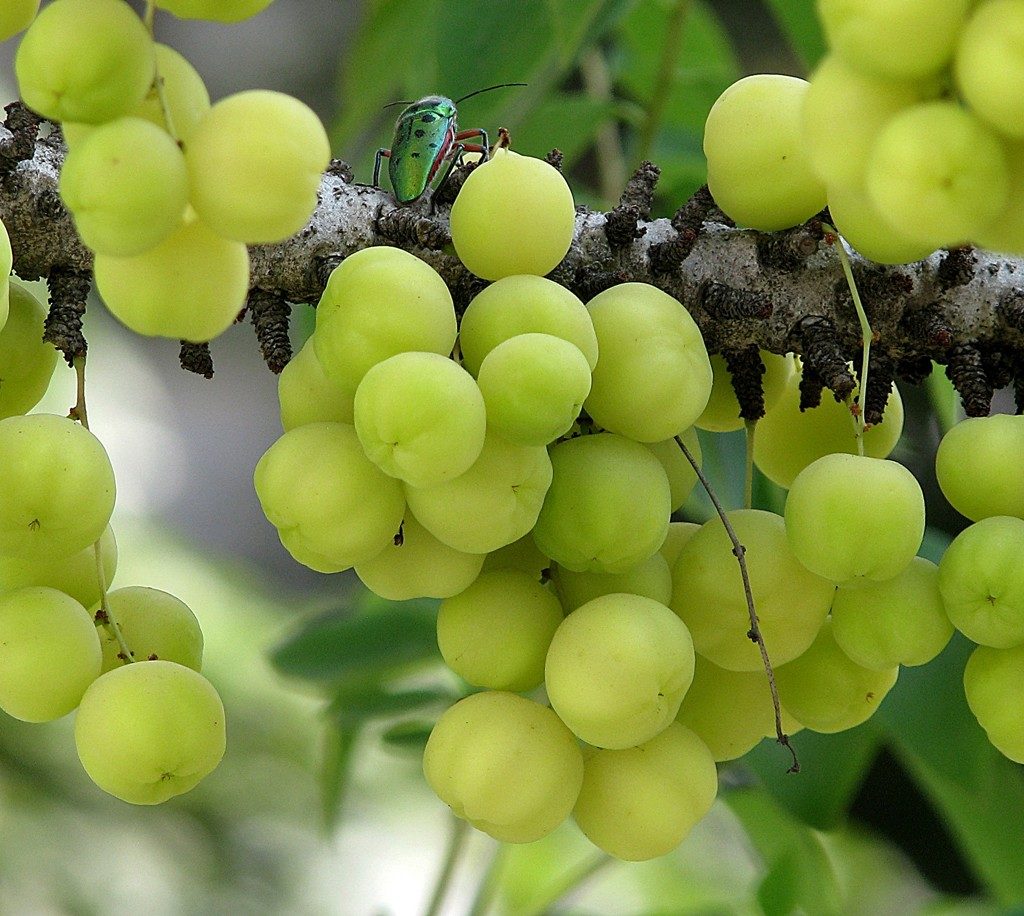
pixel 426 136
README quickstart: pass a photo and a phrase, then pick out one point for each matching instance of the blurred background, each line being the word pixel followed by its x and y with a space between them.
pixel 319 806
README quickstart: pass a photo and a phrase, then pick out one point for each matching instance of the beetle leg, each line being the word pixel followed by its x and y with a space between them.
pixel 382 153
pixel 473 147
pixel 455 154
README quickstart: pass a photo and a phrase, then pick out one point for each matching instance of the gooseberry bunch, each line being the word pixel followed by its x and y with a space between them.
pixel 166 189
pixel 907 132
pixel 518 462
pixel 909 129
pixel 521 462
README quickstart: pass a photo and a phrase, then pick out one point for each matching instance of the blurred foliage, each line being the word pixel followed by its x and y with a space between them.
pixel 800 24
pixel 364 654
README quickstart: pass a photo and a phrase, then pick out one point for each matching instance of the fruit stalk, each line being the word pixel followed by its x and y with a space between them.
pixel 104 616
pixel 865 330
pixel 755 630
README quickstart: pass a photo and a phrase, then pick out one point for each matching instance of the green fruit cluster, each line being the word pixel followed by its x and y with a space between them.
pixel 521 461
pixel 166 189
pixel 427 463
pixel 856 521
pixel 911 129
pixel 518 463
pixel 980 576
pixel 148 726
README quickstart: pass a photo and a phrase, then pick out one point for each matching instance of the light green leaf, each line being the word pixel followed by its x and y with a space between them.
pixel 944 398
pixel 340 647
pixel 704 67
pixel 565 121
pixel 407 737
pixel 831 770
pixel 386 61
pixel 334 772
pixel 351 706
pixel 800 876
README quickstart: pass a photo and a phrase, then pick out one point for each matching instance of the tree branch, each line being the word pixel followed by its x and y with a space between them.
pixel 744 288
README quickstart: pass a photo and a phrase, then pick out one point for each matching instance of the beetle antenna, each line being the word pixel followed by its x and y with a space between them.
pixel 457 101
pixel 488 89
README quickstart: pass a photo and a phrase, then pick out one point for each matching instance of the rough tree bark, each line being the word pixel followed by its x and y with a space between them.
pixel 780 292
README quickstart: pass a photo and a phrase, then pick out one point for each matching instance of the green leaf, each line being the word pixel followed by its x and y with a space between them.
pixel 944 398
pixel 779 891
pixel 725 458
pixel 679 152
pixel 934 544
pixel 480 44
pixel 565 121
pixel 352 706
pixel 831 770
pixel 979 793
pixel 798 19
pixel 386 61
pixel 407 737
pixel 537 42
pixel 800 876
pixel 705 66
pixel 580 25
pixel 338 646
pixel 767 495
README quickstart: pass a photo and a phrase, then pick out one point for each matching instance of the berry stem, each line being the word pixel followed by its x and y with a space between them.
pixel 158 85
pixel 80 413
pixel 456 843
pixel 665 78
pixel 611 161
pixel 865 331
pixel 739 551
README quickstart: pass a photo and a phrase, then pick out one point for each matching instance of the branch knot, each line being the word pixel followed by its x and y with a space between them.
pixel 747 368
pixel 727 303
pixel 196 357
pixel 69 290
pixel 269 313
pixel 824 356
pixel 966 370
pixel 23 124
pixel 406 226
